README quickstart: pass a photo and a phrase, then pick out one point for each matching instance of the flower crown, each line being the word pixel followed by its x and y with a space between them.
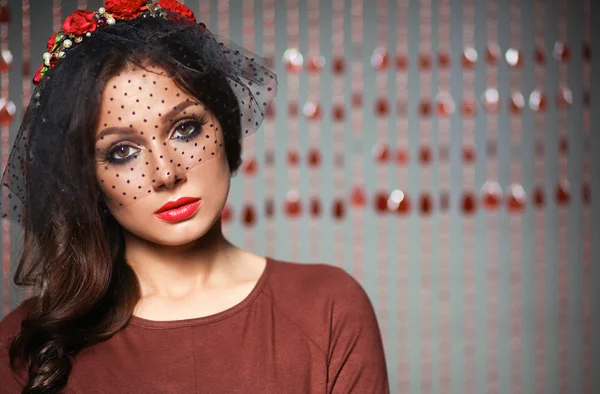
pixel 82 23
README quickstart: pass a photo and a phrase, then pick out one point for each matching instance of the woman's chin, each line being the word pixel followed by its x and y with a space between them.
pixel 166 233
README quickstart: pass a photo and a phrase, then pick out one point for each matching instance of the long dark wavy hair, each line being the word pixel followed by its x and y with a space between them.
pixel 83 291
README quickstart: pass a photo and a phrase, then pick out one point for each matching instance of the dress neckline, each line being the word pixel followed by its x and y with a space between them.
pixel 196 321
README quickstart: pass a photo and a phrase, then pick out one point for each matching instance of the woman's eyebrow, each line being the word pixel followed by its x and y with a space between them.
pixel 165 118
pixel 114 130
pixel 178 108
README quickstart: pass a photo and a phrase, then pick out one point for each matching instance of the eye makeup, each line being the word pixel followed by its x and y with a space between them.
pixel 124 150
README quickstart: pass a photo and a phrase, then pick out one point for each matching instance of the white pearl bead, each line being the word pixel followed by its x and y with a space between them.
pixel 67 43
pixel 101 10
pixel 88 34
pixel 47 62
pixel 46 56
pixel 61 54
pixel 111 21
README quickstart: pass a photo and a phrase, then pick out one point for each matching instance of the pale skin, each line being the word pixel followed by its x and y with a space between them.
pixel 186 269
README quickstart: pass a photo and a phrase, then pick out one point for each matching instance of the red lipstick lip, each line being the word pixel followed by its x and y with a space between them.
pixel 177 203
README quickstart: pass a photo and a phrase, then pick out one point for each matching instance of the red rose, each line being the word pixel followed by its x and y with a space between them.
pixel 79 23
pixel 51 42
pixel 177 7
pixel 124 9
pixel 38 75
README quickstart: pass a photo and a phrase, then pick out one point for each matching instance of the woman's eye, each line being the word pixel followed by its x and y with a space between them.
pixel 184 129
pixel 188 130
pixel 122 152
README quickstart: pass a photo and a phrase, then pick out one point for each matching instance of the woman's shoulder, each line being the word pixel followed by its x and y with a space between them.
pixel 320 279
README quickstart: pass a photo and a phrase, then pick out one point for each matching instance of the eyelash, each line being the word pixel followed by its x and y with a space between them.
pixel 198 124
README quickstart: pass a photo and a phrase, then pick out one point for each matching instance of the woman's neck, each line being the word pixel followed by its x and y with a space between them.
pixel 180 271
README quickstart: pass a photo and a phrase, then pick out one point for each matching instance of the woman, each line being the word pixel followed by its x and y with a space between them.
pixel 118 176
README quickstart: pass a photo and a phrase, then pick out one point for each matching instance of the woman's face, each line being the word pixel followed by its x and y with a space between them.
pixel 156 144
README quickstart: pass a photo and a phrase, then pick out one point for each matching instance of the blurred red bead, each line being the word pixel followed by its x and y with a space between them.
pixel 514 57
pixel 538 101
pixel 312 110
pixel 6 60
pixel 425 204
pixel 250 166
pixel 491 195
pixel 405 206
pixel 381 152
pixel 491 100
pixel 563 146
pixel 492 54
pixel 314 157
pixel 358 197
pixel 293 60
pixel 469 108
pixel 7 111
pixel 561 52
pixel 443 59
pixel 538 197
pixel 445 104
pixel 380 59
pixel 539 55
pixel 269 208
pixel 270 111
pixel 293 157
pixel 338 65
pixel 381 202
pixel 25 68
pixel 468 154
pixel 516 103
pixel 227 213
pixel 586 98
pixel 293 206
pixel 402 157
pixel 402 62
pixel 402 205
pixel 356 99
pixel 564 98
pixel 4 14
pixel 338 210
pixel 563 196
pixel 382 107
pixel 586 193
pixel 587 52
pixel 293 108
pixel 424 61
pixel 338 112
pixel 425 107
pixel 469 58
pixel 395 200
pixel 248 215
pixel 315 64
pixel 469 203
pixel 425 155
pixel 515 198
pixel 315 207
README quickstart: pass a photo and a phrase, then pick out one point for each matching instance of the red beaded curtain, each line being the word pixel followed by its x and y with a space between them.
pixel 440 151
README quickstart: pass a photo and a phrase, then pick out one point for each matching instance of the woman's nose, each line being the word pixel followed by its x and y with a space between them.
pixel 167 173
